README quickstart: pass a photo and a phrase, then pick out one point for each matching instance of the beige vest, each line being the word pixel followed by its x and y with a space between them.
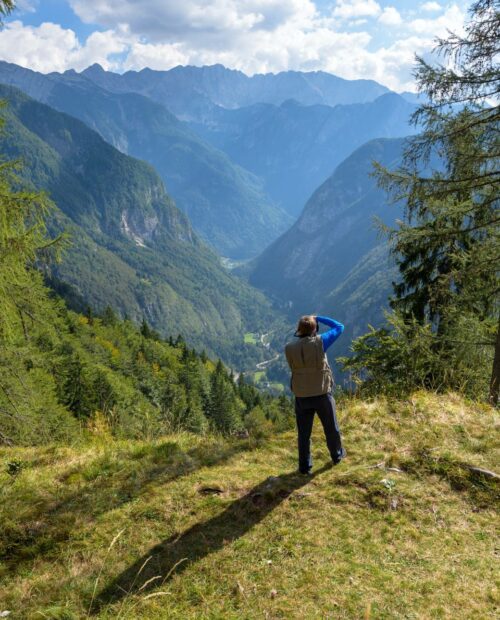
pixel 311 373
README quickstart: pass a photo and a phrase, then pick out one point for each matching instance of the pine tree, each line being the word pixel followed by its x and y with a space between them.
pixel 248 394
pixel 145 329
pixel 76 389
pixel 223 407
pixel 109 317
pixel 25 387
pixel 449 246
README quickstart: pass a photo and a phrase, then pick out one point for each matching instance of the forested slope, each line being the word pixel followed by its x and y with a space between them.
pixel 130 247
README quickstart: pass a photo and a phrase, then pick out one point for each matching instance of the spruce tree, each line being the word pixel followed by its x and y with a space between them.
pixel 109 317
pixel 449 247
pixel 223 407
pixel 76 388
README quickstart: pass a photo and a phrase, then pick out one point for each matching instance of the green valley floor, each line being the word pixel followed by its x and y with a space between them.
pixel 192 527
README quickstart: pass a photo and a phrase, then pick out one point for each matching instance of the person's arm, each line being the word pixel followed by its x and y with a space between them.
pixel 333 333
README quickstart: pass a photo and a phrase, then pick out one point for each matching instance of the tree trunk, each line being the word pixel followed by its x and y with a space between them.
pixel 495 373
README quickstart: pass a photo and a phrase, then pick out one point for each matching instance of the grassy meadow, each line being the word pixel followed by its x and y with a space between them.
pixel 204 527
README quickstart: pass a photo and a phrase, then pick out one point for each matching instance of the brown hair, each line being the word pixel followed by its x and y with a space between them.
pixel 306 325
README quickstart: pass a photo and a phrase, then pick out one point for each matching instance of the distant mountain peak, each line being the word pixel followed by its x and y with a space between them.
pixel 291 103
pixel 94 69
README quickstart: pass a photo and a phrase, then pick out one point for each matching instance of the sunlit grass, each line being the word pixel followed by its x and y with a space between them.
pixel 401 529
pixel 250 338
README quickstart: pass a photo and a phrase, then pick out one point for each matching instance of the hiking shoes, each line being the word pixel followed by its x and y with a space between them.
pixel 340 457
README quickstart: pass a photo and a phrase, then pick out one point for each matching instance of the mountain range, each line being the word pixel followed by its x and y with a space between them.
pixel 226 204
pixel 131 247
pixel 294 147
pixel 190 92
pixel 250 152
pixel 238 172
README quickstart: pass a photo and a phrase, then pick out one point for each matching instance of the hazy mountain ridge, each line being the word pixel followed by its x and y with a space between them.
pixel 131 247
pixel 189 91
pixel 294 148
pixel 226 204
pixel 331 258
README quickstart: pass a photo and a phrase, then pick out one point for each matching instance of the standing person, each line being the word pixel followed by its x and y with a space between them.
pixel 312 384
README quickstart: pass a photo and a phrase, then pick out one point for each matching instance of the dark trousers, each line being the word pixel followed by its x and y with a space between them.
pixel 324 406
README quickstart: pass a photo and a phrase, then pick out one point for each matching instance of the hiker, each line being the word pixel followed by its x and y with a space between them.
pixel 312 384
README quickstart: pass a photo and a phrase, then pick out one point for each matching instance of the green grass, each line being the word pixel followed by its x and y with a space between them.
pixel 401 529
pixel 250 338
pixel 278 387
pixel 260 375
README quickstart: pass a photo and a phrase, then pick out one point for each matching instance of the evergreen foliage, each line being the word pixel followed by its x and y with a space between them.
pixel 6 6
pixel 224 408
pixel 446 306
pixel 70 376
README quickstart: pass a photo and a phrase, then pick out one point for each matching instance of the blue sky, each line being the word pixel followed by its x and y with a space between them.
pixel 352 38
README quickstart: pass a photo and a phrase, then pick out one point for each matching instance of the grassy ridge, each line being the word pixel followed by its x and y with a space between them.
pixel 193 527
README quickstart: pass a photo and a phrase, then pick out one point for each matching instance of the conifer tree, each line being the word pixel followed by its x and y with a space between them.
pixel 448 249
pixel 223 407
pixel 145 329
pixel 76 387
pixel 108 316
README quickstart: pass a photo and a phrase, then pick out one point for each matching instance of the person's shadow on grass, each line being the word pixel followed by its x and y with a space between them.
pixel 175 554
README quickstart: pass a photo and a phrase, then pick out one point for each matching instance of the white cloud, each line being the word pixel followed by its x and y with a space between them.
pixel 49 47
pixel 431 7
pixel 160 56
pixel 255 36
pixel 390 17
pixel 161 19
pixel 26 6
pixel 348 9
pixel 452 19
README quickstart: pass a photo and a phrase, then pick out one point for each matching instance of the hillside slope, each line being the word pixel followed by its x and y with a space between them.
pixel 225 203
pixel 191 527
pixel 130 247
pixel 333 253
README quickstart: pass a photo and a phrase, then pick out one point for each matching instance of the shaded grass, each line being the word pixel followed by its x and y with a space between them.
pixel 101 479
pixel 400 530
